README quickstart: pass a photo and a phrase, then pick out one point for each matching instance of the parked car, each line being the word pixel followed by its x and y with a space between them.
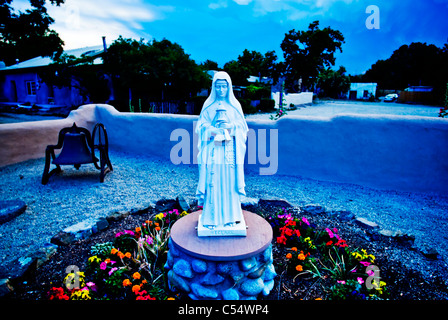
pixel 391 97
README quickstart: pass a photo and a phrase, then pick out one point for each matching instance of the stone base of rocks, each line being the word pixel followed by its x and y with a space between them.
pixel 221 268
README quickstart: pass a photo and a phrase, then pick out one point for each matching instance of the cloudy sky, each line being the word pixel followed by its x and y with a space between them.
pixel 220 30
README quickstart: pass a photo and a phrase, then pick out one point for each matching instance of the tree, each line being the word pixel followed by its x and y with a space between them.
pixel 81 73
pixel 412 65
pixel 209 65
pixel 333 84
pixel 160 70
pixel 307 53
pixel 27 35
pixel 252 63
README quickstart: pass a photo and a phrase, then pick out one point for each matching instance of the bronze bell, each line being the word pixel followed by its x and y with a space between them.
pixel 75 150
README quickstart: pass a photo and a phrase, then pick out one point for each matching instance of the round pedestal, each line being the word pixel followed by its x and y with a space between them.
pixel 229 268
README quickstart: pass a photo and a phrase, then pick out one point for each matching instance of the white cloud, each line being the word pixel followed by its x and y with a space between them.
pixel 82 23
pixel 243 2
pixel 218 5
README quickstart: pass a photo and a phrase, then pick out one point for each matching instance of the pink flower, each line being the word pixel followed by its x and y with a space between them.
pixel 112 271
pixel 370 273
pixel 305 220
pixel 360 280
pixel 330 233
pixel 341 281
pixel 103 265
pixel 91 285
pixel 130 232
pixel 365 263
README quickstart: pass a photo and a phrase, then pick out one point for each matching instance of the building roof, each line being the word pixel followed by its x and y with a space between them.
pixel 45 61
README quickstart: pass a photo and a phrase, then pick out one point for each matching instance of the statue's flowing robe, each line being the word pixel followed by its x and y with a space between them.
pixel 221 168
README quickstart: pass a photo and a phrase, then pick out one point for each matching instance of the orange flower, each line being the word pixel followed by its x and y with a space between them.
pixel 158 228
pixel 126 282
pixel 127 255
pixel 136 288
pixel 113 251
pixel 107 260
pixel 144 281
pixel 136 275
pixel 294 249
pixel 156 224
pixel 288 256
pixel 138 229
pixel 120 254
pixel 299 268
pixel 301 256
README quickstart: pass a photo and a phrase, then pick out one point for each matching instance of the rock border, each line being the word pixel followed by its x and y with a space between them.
pixel 84 229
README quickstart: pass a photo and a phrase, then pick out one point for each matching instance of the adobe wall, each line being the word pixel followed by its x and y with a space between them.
pixel 388 152
pixel 28 140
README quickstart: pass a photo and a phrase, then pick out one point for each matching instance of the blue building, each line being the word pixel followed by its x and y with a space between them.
pixel 21 84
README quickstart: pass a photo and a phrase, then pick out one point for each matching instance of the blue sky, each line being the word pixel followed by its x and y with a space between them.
pixel 220 30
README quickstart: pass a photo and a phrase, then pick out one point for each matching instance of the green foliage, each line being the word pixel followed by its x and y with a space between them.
pixel 247 107
pixel 415 64
pixel 157 70
pixel 81 73
pixel 322 254
pixel 444 111
pixel 27 35
pixel 307 53
pixel 252 63
pixel 266 105
pixel 333 84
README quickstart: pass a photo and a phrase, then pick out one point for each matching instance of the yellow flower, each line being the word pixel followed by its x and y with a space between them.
pixel 184 213
pixel 159 216
pixel 94 259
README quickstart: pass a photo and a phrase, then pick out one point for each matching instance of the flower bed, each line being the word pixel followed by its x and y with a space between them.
pixel 315 256
pixel 321 255
pixel 129 267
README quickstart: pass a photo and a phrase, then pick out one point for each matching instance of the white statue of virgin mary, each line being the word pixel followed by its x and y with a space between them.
pixel 222 133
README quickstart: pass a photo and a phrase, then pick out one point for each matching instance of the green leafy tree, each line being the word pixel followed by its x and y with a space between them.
pixel 412 65
pixel 160 70
pixel 333 84
pixel 81 73
pixel 209 65
pixel 308 53
pixel 252 63
pixel 27 35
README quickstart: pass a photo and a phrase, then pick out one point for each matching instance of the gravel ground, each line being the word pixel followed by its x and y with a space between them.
pixel 337 107
pixel 74 196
